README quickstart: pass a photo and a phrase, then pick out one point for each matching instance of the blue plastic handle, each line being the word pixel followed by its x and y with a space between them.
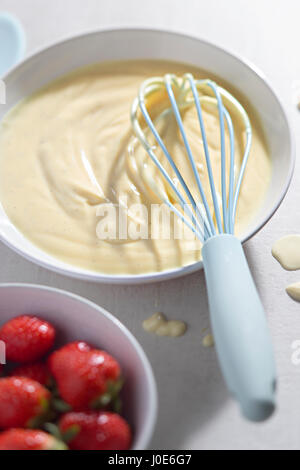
pixel 12 41
pixel 240 327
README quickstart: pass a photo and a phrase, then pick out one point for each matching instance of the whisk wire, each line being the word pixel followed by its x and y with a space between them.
pixel 242 172
pixel 202 221
pixel 231 173
pixel 244 116
pixel 176 111
pixel 206 153
pixel 157 137
pixel 223 151
pixel 198 227
pixel 182 201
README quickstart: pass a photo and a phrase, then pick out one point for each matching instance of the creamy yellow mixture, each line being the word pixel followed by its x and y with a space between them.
pixel 294 291
pixel 287 252
pixel 68 149
pixel 208 341
pixel 159 325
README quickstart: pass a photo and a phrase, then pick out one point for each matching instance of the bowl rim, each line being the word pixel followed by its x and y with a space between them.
pixel 146 435
pixel 151 277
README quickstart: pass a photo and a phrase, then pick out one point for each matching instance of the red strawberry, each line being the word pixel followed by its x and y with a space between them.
pixel 96 431
pixel 77 346
pixel 86 378
pixel 27 338
pixel 23 402
pixel 26 439
pixel 38 371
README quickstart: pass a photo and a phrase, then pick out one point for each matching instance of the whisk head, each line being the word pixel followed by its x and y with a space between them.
pixel 183 93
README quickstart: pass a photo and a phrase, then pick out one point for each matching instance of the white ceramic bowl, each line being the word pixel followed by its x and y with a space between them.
pixel 122 44
pixel 79 319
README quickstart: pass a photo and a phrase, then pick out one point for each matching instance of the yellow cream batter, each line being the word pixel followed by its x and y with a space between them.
pixel 159 325
pixel 66 151
pixel 287 252
pixel 208 341
pixel 294 291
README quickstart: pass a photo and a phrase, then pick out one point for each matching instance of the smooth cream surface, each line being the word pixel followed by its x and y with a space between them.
pixel 68 149
pixel 287 252
pixel 159 325
pixel 294 291
pixel 208 341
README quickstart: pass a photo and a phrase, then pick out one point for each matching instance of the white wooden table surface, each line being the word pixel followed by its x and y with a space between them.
pixel 195 409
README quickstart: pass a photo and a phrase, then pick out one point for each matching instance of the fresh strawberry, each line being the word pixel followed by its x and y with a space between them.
pixel 76 346
pixel 26 439
pixel 95 431
pixel 38 371
pixel 85 377
pixel 23 402
pixel 27 338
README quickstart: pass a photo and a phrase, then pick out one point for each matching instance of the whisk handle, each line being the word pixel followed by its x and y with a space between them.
pixel 240 327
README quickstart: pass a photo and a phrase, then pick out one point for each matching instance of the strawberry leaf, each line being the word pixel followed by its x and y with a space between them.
pixel 71 433
pixel 53 429
pixel 60 405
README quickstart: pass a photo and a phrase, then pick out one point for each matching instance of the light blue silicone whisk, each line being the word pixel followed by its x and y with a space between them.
pixel 238 319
